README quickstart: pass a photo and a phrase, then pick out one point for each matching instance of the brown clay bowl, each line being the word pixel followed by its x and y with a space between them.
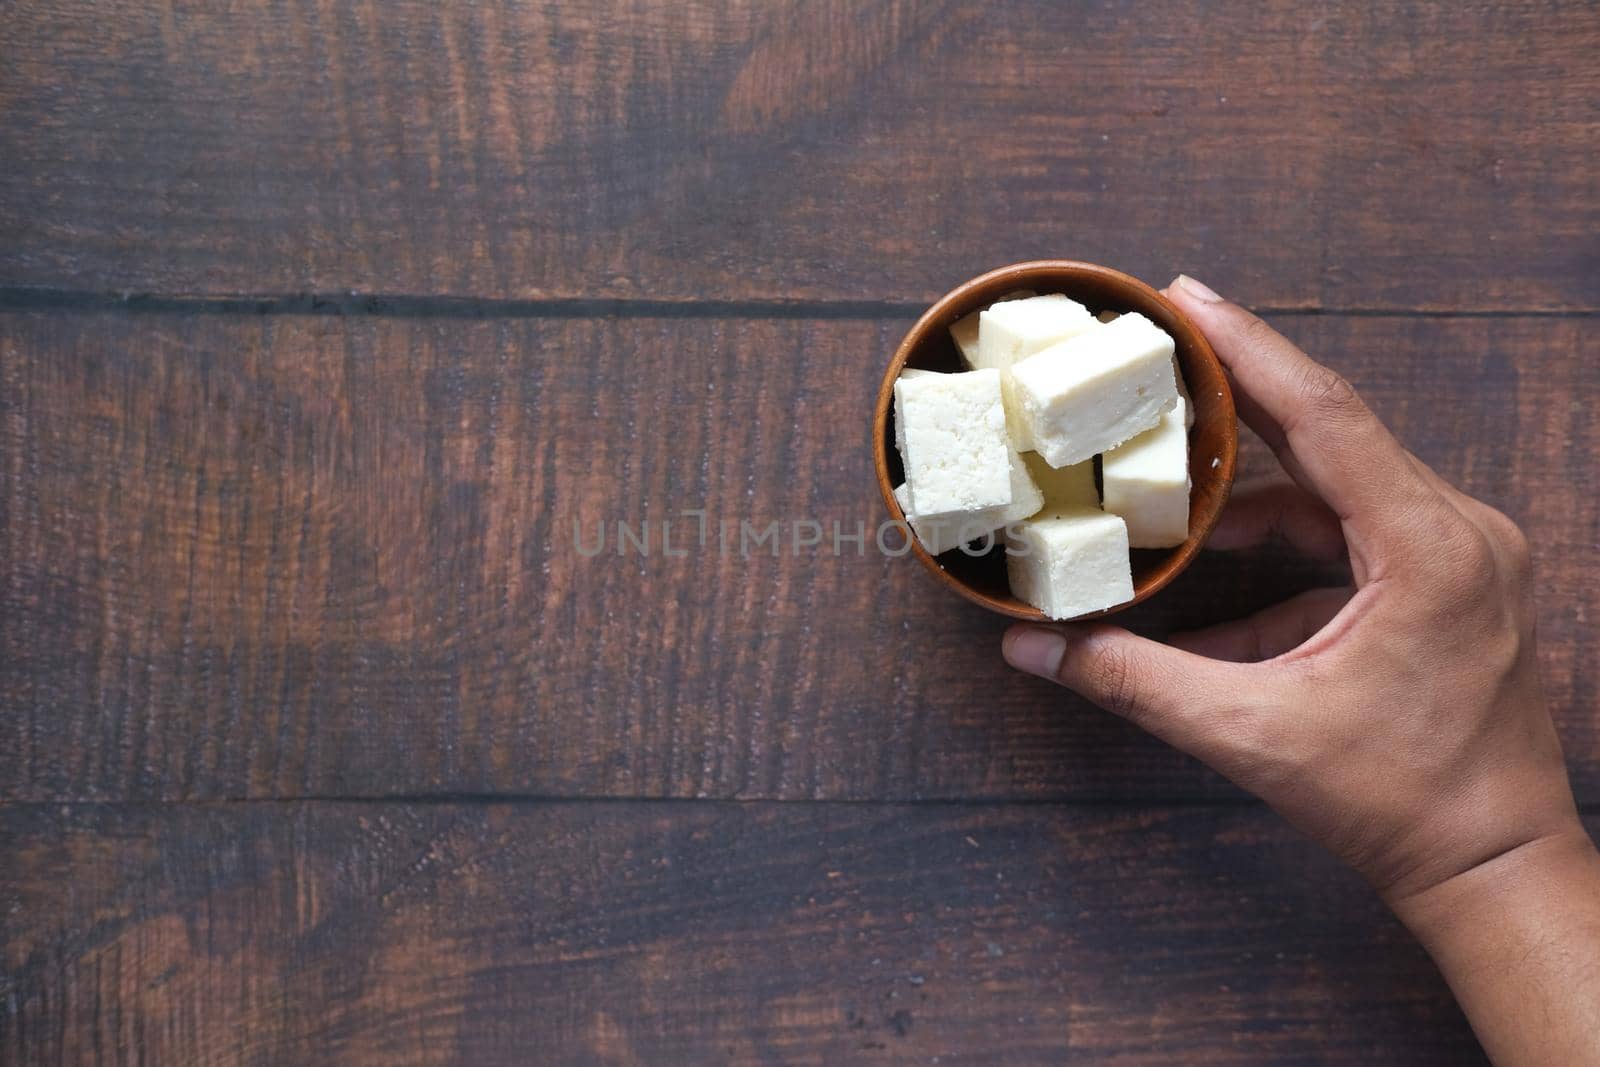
pixel 1213 443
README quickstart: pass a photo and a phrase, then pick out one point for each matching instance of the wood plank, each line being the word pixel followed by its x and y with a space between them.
pixel 314 556
pixel 699 933
pixel 1344 156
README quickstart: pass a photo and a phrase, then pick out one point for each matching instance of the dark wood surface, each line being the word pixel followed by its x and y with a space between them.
pixel 321 324
pixel 708 933
pixel 1333 155
pixel 309 556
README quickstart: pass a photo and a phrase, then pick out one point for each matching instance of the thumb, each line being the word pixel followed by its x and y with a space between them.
pixel 1186 700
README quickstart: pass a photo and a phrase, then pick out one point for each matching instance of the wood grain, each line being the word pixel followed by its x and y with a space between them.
pixel 315 556
pixel 652 933
pixel 1345 155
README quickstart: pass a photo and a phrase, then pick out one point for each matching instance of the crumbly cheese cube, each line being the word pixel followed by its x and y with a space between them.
pixel 1147 482
pixel 941 533
pixel 1063 487
pixel 1178 375
pixel 936 535
pixel 1071 562
pixel 1094 391
pixel 964 331
pixel 951 432
pixel 905 373
pixel 1027 497
pixel 1015 329
pixel 1183 394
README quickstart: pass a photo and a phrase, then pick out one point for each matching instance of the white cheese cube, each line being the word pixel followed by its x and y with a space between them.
pixel 1070 563
pixel 951 433
pixel 1015 329
pixel 1094 391
pixel 914 372
pixel 964 331
pixel 941 533
pixel 1183 394
pixel 1026 495
pixel 1063 487
pixel 1146 481
pixel 936 535
pixel 1178 375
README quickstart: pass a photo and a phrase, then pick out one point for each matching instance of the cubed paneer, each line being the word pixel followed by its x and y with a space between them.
pixel 1146 481
pixel 1070 563
pixel 941 533
pixel 951 433
pixel 1183 394
pixel 964 331
pixel 1026 495
pixel 1063 487
pixel 1177 373
pixel 1092 392
pixel 936 535
pixel 1015 329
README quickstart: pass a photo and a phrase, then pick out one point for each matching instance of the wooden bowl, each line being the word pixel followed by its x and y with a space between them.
pixel 1213 443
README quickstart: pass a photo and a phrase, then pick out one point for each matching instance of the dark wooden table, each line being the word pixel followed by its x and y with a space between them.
pixel 321 325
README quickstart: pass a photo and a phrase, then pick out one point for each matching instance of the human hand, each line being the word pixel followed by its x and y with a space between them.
pixel 1400 721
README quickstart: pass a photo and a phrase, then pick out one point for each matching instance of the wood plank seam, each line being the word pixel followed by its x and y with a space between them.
pixel 415 305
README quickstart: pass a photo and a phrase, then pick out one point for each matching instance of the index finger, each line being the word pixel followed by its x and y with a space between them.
pixel 1325 436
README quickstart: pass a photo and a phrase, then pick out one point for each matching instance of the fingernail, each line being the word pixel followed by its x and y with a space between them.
pixel 1034 650
pixel 1198 290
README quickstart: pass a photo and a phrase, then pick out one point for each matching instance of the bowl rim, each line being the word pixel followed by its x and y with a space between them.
pixel 952 305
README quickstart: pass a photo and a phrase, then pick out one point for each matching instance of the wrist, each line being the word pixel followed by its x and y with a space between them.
pixel 1514 881
pixel 1517 937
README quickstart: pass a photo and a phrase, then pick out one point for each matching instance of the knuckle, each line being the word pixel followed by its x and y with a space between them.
pixel 1328 392
pixel 1114 682
pixel 1460 547
pixel 1465 569
pixel 1518 550
pixel 1504 651
pixel 1472 557
pixel 1476 554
